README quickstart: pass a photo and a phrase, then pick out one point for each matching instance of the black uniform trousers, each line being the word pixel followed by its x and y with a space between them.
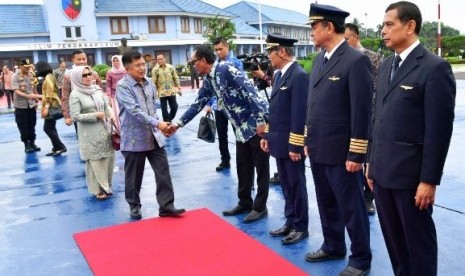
pixel 134 163
pixel 9 97
pixel 250 156
pixel 51 131
pixel 26 121
pixel 168 116
pixel 411 230
pixel 221 122
pixel 341 205
pixel 294 186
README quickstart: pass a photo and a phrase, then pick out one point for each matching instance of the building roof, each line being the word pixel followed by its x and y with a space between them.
pixel 20 19
pixel 249 12
pixel 243 29
pixel 157 6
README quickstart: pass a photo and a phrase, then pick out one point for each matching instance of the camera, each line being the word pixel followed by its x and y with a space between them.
pixel 252 63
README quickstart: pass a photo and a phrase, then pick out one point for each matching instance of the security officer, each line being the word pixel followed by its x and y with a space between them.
pixel 284 136
pixel 338 115
pixel 25 100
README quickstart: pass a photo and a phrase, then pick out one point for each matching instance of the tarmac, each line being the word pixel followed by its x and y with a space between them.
pixel 44 201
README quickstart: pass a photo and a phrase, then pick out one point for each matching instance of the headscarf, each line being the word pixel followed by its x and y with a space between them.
pixel 121 67
pixel 78 85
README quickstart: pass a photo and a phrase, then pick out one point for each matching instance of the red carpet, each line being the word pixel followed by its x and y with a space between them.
pixel 198 243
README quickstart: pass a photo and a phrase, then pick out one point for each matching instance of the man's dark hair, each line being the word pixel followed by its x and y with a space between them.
pixel 78 52
pixel 43 68
pixel 129 56
pixel 407 11
pixel 338 26
pixel 221 40
pixel 353 28
pixel 203 51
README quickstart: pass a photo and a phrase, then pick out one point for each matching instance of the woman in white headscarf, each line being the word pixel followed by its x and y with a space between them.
pixel 90 109
pixel 116 73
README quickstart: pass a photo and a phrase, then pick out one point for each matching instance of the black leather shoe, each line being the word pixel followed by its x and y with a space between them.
pixel 255 216
pixel 236 211
pixel 50 153
pixel 59 152
pixel 370 207
pixel 135 212
pixel 281 232
pixel 223 166
pixel 320 255
pixel 34 146
pixel 352 271
pixel 294 237
pixel 28 148
pixel 171 212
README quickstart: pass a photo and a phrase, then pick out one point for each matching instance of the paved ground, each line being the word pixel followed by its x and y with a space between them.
pixel 44 201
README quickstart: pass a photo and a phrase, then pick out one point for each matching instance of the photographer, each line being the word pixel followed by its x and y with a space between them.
pixel 221 47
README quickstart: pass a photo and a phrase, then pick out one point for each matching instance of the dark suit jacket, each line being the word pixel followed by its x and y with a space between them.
pixel 339 107
pixel 413 121
pixel 288 103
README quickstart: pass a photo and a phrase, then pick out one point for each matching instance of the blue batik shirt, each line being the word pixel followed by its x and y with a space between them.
pixel 234 61
pixel 237 98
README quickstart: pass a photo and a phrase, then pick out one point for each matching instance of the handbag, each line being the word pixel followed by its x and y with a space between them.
pixel 55 113
pixel 115 136
pixel 207 128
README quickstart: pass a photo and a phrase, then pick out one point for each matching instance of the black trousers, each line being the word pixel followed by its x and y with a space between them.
pixel 410 234
pixel 164 102
pixel 9 97
pixel 195 78
pixel 294 186
pixel 51 131
pixel 26 120
pixel 134 163
pixel 341 205
pixel 221 122
pixel 249 156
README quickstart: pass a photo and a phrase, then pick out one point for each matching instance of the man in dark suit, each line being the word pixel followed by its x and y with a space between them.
pixel 284 136
pixel 412 128
pixel 338 114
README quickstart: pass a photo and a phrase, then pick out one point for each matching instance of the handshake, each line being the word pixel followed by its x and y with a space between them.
pixel 167 128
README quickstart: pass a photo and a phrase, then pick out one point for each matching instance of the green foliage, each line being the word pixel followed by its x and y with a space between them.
pixel 307 62
pixel 453 46
pixel 455 60
pixel 217 27
pixel 101 69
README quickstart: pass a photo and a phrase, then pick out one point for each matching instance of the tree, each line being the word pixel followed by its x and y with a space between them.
pixel 218 27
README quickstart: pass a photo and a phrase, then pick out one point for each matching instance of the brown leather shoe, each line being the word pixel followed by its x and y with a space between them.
pixel 237 211
pixel 281 232
pixel 294 237
pixel 320 256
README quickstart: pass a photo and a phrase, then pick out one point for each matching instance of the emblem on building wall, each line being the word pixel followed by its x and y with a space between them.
pixel 71 8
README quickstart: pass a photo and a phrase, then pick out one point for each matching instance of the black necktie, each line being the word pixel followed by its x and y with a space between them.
pixel 395 65
pixel 277 77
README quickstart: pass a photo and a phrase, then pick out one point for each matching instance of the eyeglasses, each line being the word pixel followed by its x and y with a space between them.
pixel 85 75
pixel 138 65
pixel 193 61
pixel 272 49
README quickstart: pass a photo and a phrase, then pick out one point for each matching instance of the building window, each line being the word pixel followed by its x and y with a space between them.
pixel 119 25
pixel 157 24
pixel 198 25
pixel 78 31
pixel 73 32
pixel 185 28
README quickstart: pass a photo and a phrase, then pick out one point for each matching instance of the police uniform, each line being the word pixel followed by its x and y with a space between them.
pixel 338 114
pixel 25 109
pixel 285 134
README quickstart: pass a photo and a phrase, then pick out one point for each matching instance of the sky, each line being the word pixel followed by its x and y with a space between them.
pixel 452 11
